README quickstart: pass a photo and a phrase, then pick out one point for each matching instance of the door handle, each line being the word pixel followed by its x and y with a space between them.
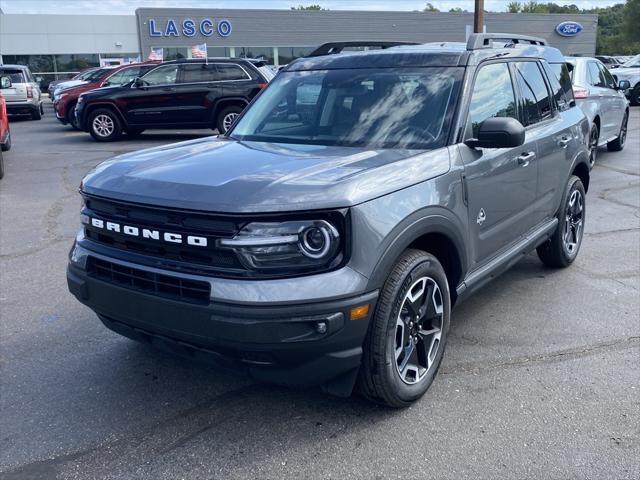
pixel 564 141
pixel 525 158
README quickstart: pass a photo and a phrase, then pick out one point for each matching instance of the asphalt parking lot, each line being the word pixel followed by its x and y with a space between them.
pixel 541 378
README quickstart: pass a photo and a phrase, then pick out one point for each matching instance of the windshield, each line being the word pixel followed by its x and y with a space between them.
pixel 94 74
pixel 378 108
pixel 634 62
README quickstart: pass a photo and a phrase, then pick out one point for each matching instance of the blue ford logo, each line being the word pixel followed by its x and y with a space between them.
pixel 568 29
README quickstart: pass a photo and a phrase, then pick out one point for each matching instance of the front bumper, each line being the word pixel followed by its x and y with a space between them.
pixel 283 344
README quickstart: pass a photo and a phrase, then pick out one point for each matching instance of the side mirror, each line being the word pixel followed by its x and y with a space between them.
pixel 624 85
pixel 5 82
pixel 498 132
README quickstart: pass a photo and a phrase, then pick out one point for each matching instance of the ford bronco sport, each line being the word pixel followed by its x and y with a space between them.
pixel 324 240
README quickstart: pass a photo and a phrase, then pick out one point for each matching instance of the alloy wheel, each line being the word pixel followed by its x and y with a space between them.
pixel 418 330
pixel 228 120
pixel 573 224
pixel 623 130
pixel 103 125
pixel 593 145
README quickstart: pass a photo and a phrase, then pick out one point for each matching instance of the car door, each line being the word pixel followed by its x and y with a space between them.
pixel 197 90
pixel 154 102
pixel 616 101
pixel 598 91
pixel 501 182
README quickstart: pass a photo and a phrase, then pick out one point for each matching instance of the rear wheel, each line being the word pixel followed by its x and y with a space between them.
pixel 36 114
pixel 227 116
pixel 635 95
pixel 6 146
pixel 562 248
pixel 104 125
pixel 406 340
pixel 1 165
pixel 618 144
pixel 594 136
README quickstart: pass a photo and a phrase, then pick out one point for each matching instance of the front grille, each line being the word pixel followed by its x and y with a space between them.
pixel 186 223
pixel 167 286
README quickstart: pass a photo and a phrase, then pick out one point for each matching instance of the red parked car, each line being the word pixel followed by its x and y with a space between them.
pixel 65 101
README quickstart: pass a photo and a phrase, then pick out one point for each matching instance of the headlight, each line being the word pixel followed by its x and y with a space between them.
pixel 293 246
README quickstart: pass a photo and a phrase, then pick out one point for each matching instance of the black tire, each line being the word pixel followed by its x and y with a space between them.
pixel 36 114
pixel 112 126
pixel 224 113
pixel 555 252
pixel 594 138
pixel 71 117
pixel 1 165
pixel 134 132
pixel 618 144
pixel 634 97
pixel 5 147
pixel 380 378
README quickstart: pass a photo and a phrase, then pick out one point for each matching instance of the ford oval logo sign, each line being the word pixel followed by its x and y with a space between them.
pixel 569 29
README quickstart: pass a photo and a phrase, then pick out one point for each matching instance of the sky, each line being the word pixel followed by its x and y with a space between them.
pixel 119 7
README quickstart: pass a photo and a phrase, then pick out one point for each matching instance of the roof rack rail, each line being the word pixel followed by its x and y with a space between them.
pixel 483 40
pixel 337 47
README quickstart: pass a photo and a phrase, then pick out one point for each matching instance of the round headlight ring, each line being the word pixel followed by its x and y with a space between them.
pixel 318 247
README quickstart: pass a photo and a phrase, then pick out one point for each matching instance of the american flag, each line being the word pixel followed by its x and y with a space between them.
pixel 156 54
pixel 199 51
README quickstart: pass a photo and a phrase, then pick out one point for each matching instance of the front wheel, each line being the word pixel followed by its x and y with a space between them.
pixel 1 165
pixel 634 97
pixel 71 117
pixel 406 339
pixel 104 125
pixel 7 145
pixel 618 144
pixel 594 137
pixel 562 248
pixel 226 118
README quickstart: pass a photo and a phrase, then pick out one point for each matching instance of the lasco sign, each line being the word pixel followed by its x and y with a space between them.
pixel 189 28
pixel 568 29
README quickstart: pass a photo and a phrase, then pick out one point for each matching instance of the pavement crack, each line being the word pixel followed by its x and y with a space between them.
pixel 560 355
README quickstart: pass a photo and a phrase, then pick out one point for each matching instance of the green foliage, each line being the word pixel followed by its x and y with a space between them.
pixel 430 8
pixel 308 7
pixel 457 10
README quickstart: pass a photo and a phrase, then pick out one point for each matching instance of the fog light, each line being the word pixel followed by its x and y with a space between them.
pixel 321 327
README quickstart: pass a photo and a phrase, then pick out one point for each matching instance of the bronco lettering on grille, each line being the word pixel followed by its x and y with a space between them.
pixel 146 233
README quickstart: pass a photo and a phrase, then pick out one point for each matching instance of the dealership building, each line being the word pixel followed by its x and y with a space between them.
pixel 55 46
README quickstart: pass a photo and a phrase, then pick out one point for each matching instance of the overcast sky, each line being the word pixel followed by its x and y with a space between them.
pixel 116 7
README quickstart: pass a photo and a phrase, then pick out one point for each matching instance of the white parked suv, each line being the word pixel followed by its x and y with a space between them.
pixel 24 97
pixel 630 70
pixel 603 101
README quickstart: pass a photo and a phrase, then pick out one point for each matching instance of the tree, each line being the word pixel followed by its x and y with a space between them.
pixel 514 7
pixel 457 10
pixel 430 8
pixel 632 20
pixel 308 7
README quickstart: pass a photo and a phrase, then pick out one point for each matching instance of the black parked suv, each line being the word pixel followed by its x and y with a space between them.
pixel 326 237
pixel 178 94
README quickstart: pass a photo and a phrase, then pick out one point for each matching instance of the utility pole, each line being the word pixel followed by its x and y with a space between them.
pixel 478 16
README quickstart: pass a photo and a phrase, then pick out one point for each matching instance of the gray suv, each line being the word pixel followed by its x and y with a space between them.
pixel 324 240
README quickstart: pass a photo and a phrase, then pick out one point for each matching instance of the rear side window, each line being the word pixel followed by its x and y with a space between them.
pixel 561 71
pixel 492 96
pixel 535 102
pixel 199 73
pixel 559 93
pixel 594 75
pixel 231 71
pixel 15 76
pixel 606 77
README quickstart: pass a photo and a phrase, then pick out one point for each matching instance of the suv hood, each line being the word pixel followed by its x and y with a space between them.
pixel 217 174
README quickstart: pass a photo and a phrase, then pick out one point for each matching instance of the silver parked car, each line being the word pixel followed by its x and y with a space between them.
pixel 24 97
pixel 602 100
pixel 630 70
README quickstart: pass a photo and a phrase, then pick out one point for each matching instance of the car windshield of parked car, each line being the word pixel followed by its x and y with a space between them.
pixel 634 62
pixel 93 75
pixel 378 108
pixel 14 75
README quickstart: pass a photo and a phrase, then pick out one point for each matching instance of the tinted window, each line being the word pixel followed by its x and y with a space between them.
pixel 199 73
pixel 14 75
pixel 230 71
pixel 377 108
pixel 162 75
pixel 606 78
pixel 557 90
pixel 535 102
pixel 594 75
pixel 123 76
pixel 492 95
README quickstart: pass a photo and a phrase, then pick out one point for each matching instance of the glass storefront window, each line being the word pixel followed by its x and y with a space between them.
pixel 36 63
pixel 288 54
pixel 218 51
pixel 76 62
pixel 174 53
pixel 265 53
